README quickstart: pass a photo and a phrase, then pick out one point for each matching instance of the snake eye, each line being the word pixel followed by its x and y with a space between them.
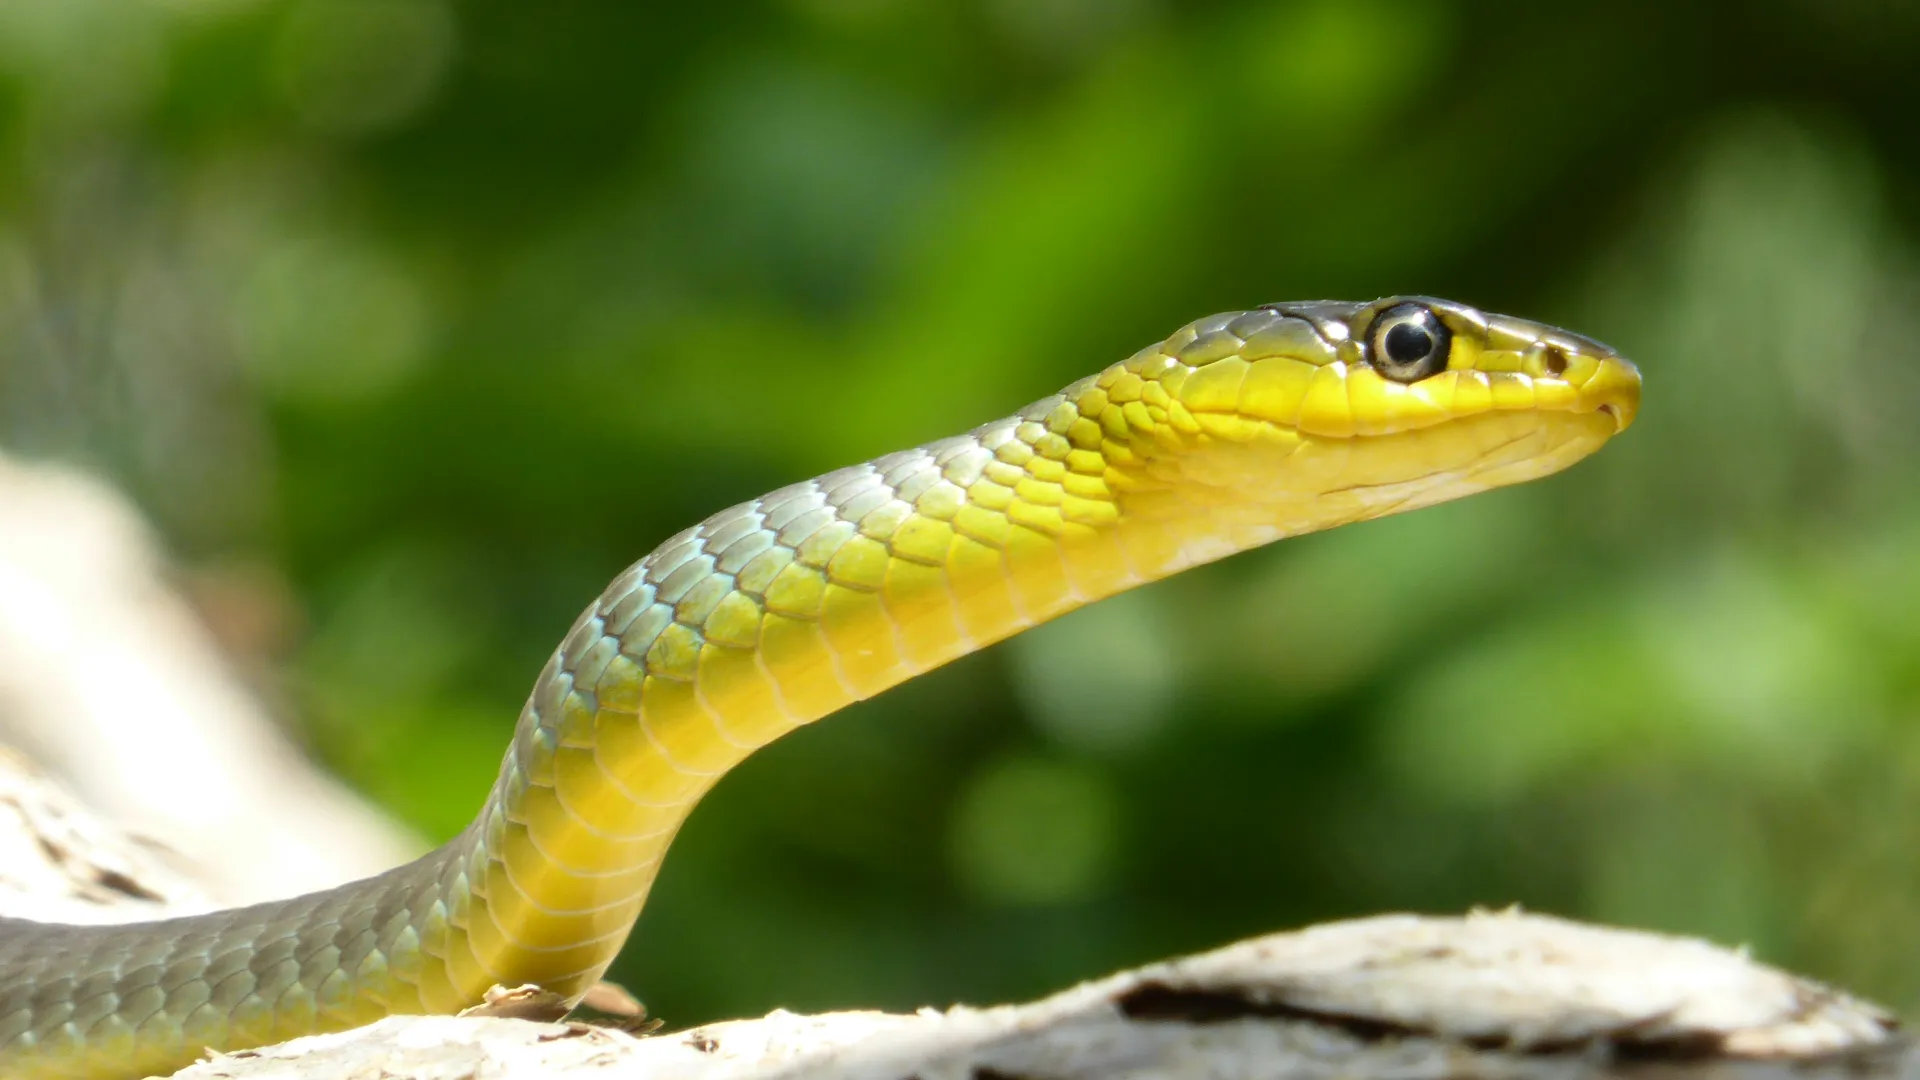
pixel 1408 342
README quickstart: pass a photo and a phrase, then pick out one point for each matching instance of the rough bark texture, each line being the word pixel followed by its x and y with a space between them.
pixel 1502 995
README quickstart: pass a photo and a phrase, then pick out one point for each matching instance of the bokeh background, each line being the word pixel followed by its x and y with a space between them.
pixel 410 323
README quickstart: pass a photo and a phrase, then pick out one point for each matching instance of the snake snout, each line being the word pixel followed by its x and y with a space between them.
pixel 1614 389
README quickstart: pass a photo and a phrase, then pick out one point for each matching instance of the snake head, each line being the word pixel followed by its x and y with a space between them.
pixel 1294 417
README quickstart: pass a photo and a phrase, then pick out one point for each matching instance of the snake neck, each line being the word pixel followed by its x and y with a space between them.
pixel 1239 429
pixel 768 616
pixel 782 610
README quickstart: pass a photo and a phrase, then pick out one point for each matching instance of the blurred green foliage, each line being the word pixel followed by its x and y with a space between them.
pixel 444 313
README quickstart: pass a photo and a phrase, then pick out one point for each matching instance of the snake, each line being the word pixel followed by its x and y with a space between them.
pixel 1237 430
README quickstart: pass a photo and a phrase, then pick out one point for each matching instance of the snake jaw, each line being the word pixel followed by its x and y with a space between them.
pixel 1238 430
pixel 1282 412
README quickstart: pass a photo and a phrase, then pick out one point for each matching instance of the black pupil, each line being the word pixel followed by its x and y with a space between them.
pixel 1408 343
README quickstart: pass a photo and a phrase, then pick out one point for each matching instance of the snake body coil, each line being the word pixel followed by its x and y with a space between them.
pixel 1237 430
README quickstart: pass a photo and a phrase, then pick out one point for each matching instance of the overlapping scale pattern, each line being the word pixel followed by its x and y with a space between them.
pixel 763 617
pixel 781 610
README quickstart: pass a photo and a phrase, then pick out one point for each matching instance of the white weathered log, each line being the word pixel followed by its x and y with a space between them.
pixel 108 679
pixel 60 862
pixel 1501 996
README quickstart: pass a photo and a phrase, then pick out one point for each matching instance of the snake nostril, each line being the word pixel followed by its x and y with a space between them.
pixel 1556 361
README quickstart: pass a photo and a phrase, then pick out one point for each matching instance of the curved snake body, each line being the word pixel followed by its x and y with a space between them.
pixel 1239 429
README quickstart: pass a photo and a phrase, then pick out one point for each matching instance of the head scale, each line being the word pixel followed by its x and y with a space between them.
pixel 1294 417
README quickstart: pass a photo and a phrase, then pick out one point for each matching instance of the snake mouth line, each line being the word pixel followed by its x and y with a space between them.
pixel 1093 498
